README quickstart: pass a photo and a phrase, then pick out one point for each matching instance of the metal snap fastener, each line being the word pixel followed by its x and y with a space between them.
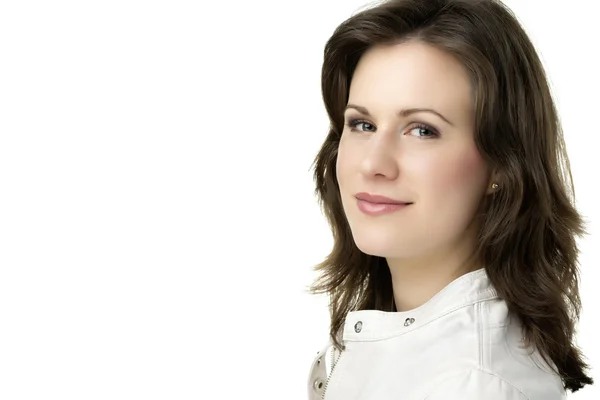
pixel 319 361
pixel 409 321
pixel 318 384
pixel 358 327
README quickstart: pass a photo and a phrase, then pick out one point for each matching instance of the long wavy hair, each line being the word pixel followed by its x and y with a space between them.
pixel 527 242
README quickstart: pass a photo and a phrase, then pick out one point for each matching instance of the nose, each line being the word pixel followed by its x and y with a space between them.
pixel 380 159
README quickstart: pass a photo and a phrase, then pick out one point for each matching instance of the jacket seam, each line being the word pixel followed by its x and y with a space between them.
pixel 479 327
pixel 482 371
pixel 505 381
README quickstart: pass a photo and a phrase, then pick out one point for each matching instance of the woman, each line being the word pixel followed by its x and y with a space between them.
pixel 446 184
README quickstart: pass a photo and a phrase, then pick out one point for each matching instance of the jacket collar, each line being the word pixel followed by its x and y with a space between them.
pixel 370 325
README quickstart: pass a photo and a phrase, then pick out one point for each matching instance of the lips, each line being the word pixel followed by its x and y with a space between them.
pixel 378 199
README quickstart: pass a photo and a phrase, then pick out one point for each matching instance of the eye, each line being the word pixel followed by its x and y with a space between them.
pixel 423 131
pixel 366 125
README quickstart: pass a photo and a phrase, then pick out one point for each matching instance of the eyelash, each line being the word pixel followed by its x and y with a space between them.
pixel 352 125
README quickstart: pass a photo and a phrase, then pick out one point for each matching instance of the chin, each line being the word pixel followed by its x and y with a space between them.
pixel 382 244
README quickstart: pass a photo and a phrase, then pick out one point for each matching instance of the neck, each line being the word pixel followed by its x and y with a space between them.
pixel 415 281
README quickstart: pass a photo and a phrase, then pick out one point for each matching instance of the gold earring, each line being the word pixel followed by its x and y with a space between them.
pixel 495 186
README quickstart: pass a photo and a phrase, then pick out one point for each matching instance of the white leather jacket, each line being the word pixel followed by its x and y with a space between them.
pixel 462 344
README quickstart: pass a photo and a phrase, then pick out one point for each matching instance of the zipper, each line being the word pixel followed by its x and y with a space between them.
pixel 334 362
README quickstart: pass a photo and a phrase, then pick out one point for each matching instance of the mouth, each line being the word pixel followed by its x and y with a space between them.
pixel 379 199
pixel 378 205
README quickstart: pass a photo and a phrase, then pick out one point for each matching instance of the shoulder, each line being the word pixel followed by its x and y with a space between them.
pixel 476 384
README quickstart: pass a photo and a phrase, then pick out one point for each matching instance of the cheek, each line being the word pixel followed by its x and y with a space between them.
pixel 460 172
pixel 339 168
pixel 343 164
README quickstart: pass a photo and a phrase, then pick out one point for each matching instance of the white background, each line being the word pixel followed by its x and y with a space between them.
pixel 158 226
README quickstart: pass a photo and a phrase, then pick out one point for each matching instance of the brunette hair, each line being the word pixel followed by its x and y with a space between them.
pixel 528 237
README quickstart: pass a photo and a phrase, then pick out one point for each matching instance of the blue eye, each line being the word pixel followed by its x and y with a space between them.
pixel 355 122
pixel 424 131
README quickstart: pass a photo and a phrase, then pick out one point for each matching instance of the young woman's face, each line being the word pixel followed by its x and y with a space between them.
pixel 421 158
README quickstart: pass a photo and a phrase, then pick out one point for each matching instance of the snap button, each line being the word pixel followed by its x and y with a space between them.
pixel 318 384
pixel 358 327
pixel 409 321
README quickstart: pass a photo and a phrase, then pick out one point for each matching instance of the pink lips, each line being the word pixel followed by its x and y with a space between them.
pixel 376 205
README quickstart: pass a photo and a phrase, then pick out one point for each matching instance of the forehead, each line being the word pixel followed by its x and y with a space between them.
pixel 411 74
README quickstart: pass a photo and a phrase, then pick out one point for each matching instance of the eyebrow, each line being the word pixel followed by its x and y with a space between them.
pixel 402 113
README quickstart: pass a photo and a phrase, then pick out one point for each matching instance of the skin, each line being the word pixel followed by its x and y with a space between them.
pixel 438 169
